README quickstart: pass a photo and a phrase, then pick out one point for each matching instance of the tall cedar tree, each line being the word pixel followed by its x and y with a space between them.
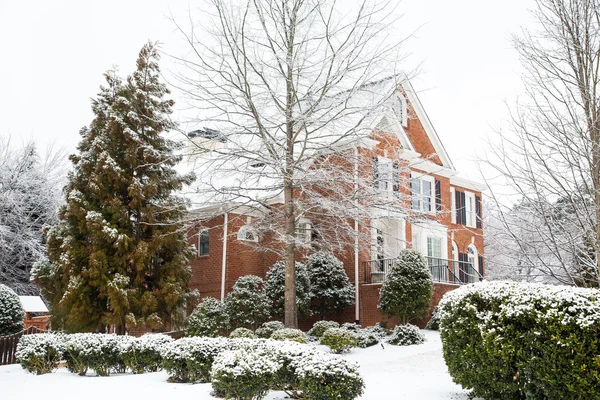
pixel 118 255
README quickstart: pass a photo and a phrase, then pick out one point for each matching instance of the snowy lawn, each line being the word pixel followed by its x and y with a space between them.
pixel 396 372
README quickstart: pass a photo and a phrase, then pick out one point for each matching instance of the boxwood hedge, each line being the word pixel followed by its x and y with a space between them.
pixel 511 340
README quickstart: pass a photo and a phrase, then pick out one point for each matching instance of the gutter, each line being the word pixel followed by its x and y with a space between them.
pixel 224 261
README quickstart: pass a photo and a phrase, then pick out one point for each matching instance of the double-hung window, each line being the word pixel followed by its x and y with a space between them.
pixel 203 243
pixel 422 193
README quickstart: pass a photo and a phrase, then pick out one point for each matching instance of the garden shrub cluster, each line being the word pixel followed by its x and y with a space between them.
pixel 102 353
pixel 11 312
pixel 208 319
pixel 266 329
pixel 191 359
pixel 321 326
pixel 406 335
pixel 242 333
pixel 512 340
pixel 40 353
pixel 143 354
pixel 339 340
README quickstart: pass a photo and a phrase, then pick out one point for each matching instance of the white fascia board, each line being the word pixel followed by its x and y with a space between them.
pixel 432 168
pixel 408 154
pixel 230 207
pixel 467 184
pixel 429 129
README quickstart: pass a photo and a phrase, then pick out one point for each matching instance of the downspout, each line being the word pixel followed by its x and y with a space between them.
pixel 224 261
pixel 356 277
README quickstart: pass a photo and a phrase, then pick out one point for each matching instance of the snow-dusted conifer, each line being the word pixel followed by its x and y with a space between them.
pixel 208 319
pixel 329 284
pixel 247 305
pixel 11 312
pixel 274 288
pixel 406 292
pixel 119 254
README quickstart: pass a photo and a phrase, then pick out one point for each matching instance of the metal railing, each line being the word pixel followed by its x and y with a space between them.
pixel 442 271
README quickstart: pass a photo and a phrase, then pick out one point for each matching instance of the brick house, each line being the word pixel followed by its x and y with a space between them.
pixel 438 213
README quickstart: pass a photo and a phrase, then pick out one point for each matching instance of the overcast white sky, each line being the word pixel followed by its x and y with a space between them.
pixel 53 54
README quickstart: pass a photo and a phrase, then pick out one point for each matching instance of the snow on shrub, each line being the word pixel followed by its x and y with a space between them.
pixel 96 351
pixel 406 291
pixel 321 326
pixel 331 289
pixel 208 319
pixel 406 335
pixel 11 312
pixel 434 322
pixel 294 335
pixel 247 305
pixel 351 326
pixel 339 340
pixel 275 284
pixel 243 374
pixel 242 333
pixel 143 354
pixel 517 340
pixel 367 338
pixel 190 359
pixel 326 377
pixel 266 329
pixel 286 378
pixel 40 353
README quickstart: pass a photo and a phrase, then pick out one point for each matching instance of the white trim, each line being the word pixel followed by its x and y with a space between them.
pixel 224 259
pixel 356 233
pixel 431 167
pixel 470 208
pixel 467 184
pixel 242 234
pixel 452 205
pixel 423 177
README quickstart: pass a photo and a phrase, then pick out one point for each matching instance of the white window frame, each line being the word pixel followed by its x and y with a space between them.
pixel 473 260
pixel 200 254
pixel 304 232
pixel 470 208
pixel 243 234
pixel 431 181
pixel 385 186
pixel 438 242
pixel 452 205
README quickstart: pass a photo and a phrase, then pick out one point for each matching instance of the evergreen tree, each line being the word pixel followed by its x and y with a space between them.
pixel 118 254
pixel 329 284
pixel 247 306
pixel 274 288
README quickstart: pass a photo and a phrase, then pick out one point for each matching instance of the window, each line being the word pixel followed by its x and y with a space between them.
pixel 203 243
pixel 421 190
pixel 473 261
pixel 470 209
pixel 466 209
pixel 434 247
pixel 386 176
pixel 247 233
pixel 304 232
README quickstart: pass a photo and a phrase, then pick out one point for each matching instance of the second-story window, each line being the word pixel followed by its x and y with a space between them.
pixel 203 243
pixel 386 176
pixel 422 193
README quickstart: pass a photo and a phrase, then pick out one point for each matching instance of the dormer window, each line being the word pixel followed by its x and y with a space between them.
pixel 400 109
pixel 247 233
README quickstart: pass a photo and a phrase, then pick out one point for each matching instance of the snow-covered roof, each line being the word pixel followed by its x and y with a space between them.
pixel 33 304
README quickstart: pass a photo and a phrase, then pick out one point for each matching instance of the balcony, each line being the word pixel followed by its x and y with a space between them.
pixel 443 271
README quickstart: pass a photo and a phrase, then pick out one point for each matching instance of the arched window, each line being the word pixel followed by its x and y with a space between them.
pixel 473 260
pixel 248 234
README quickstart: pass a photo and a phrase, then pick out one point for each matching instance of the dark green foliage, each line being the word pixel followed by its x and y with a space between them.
pixel 208 319
pixel 320 327
pixel 274 289
pixel 339 340
pixel 119 254
pixel 238 333
pixel 266 330
pixel 247 306
pixel 294 335
pixel 509 340
pixel 40 353
pixel 331 289
pixel 11 312
pixel 406 335
pixel 406 292
pixel 328 378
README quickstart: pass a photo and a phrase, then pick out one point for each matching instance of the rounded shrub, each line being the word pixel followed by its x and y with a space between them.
pixel 522 340
pixel 339 340
pixel 406 335
pixel 294 335
pixel 40 353
pixel 96 351
pixel 434 322
pixel 191 359
pixel 247 306
pixel 11 312
pixel 242 374
pixel 208 319
pixel 275 284
pixel 351 326
pixel 143 354
pixel 407 289
pixel 326 377
pixel 242 333
pixel 266 329
pixel 286 378
pixel 367 338
pixel 331 289
pixel 321 326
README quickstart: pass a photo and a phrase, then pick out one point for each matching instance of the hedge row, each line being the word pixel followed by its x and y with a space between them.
pixel 510 340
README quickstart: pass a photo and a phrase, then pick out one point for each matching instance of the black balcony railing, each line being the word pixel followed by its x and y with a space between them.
pixel 442 271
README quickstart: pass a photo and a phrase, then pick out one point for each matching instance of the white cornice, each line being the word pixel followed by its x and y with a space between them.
pixel 432 168
pixel 467 184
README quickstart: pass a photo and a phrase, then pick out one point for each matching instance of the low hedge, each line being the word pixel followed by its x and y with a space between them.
pixel 40 353
pixel 339 340
pixel 321 326
pixel 295 335
pixel 512 340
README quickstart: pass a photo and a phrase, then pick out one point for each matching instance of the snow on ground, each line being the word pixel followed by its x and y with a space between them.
pixel 394 372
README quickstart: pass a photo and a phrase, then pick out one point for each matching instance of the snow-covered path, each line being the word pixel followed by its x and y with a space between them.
pixel 395 372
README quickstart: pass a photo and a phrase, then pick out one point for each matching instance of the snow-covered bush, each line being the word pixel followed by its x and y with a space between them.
pixel 351 326
pixel 406 335
pixel 40 353
pixel 367 338
pixel 190 359
pixel 143 354
pixel 99 352
pixel 326 377
pixel 320 327
pixel 434 322
pixel 242 333
pixel 330 286
pixel 11 312
pixel 275 284
pixel 339 340
pixel 208 318
pixel 295 335
pixel 406 291
pixel 517 340
pixel 266 330
pixel 243 374
pixel 247 305
pixel 286 378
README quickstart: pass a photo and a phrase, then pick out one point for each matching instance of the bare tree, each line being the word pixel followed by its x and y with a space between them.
pixel 551 154
pixel 290 91
pixel 30 188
